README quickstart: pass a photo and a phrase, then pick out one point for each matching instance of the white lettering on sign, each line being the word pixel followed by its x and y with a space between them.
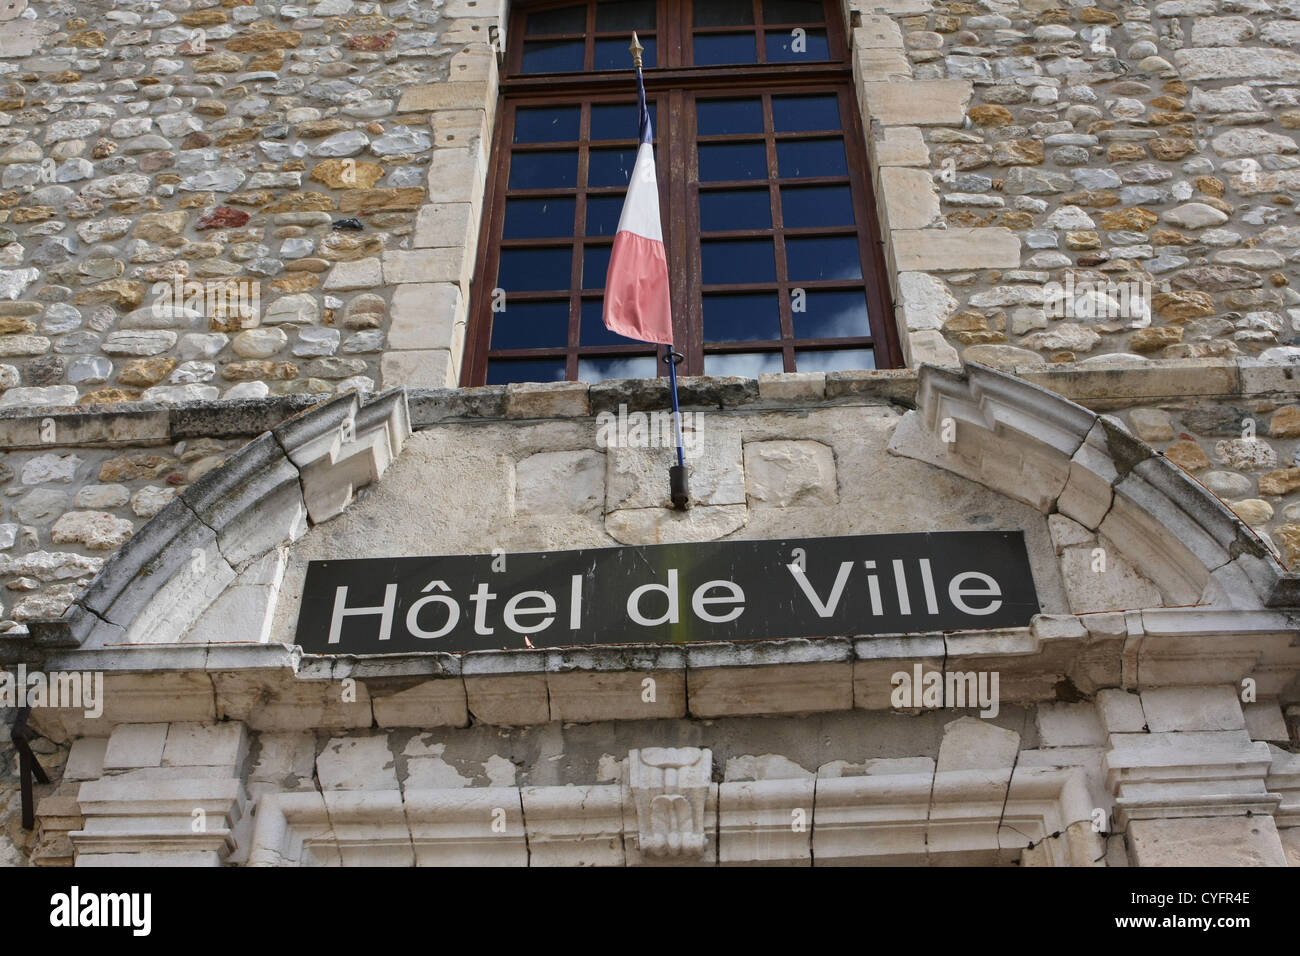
pixel 341 610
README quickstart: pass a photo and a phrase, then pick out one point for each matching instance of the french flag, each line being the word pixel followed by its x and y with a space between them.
pixel 636 286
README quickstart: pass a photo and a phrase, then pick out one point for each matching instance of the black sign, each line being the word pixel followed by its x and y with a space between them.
pixel 719 591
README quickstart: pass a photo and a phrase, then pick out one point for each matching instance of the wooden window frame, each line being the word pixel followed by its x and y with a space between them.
pixel 675 89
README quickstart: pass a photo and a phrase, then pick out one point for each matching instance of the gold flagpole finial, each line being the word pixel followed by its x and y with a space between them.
pixel 635 49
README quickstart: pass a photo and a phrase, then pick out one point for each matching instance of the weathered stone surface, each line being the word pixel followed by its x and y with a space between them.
pixel 96 530
pixel 782 474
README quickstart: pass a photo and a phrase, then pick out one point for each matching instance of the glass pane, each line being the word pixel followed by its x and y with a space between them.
pixel 744 364
pixel 810 259
pixel 737 260
pixel 550 170
pixel 610 167
pixel 548 125
pixel 724 162
pixel 793 11
pixel 811 206
pixel 742 318
pixel 712 49
pixel 830 315
pixel 800 114
pixel 593 330
pixel 553 56
pixel 618 121
pixel 539 218
pixel 835 360
pixel 529 270
pixel 714 117
pixel 531 325
pixel 811 157
pixel 602 215
pixel 626 15
pixel 505 371
pixel 723 13
pixel 735 209
pixel 616 366
pixel 614 55
pixel 595 266
pixel 792 47
pixel 562 20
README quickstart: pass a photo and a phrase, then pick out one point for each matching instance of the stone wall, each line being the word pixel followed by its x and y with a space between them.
pixel 204 199
pixel 1120 151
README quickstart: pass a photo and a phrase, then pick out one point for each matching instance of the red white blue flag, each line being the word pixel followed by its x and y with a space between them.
pixel 636 286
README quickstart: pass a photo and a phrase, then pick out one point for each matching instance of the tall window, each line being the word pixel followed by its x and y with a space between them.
pixel 769 224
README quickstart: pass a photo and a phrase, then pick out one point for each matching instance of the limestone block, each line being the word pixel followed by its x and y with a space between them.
pixel 507 699
pixel 457 176
pixel 443 224
pixel 971 743
pixel 766 822
pixel 775 689
pixel 1264 721
pixel 450 264
pixel 221 745
pixel 547 400
pixel 878 820
pixel 916 103
pixel 1206 841
pixel 1069 725
pixel 925 301
pixel 1105 581
pixel 477 826
pixel 667 790
pixel 784 474
pixel 791 386
pixel 586 696
pixel 560 483
pixel 876 661
pixel 85 758
pixel 433 703
pixel 1192 708
pixel 955 249
pixel 370 827
pixel 285 757
pixel 356 763
pixel 423 368
pixel 662 525
pixel 901 146
pixel 1120 711
pixel 929 347
pixel 574 826
pixel 135 745
pixel 910 199
pixel 427 315
pixel 638 477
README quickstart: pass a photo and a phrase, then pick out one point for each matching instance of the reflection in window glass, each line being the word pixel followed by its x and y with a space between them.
pixel 832 315
pixel 553 56
pixel 733 261
pixel 602 215
pixel 595 266
pixel 716 49
pixel 593 331
pixel 793 11
pixel 562 20
pixel 625 15
pixel 547 125
pixel 610 167
pixel 531 325
pixel 744 364
pixel 835 360
pixel 616 366
pixel 805 207
pixel 551 170
pixel 613 55
pixel 742 318
pixel 534 270
pixel 791 47
pixel 806 158
pixel 801 114
pixel 811 259
pixel 721 211
pixel 619 121
pixel 717 117
pixel 539 218
pixel 725 162
pixel 505 371
pixel 723 13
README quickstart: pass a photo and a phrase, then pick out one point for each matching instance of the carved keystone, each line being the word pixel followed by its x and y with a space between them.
pixel 669 786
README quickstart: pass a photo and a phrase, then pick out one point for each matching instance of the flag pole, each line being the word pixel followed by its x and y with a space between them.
pixel 678 484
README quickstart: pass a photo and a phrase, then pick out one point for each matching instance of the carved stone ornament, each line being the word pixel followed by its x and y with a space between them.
pixel 669 786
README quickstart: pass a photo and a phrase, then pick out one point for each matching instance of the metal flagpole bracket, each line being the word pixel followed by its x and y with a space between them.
pixel 679 488
pixel 28 765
